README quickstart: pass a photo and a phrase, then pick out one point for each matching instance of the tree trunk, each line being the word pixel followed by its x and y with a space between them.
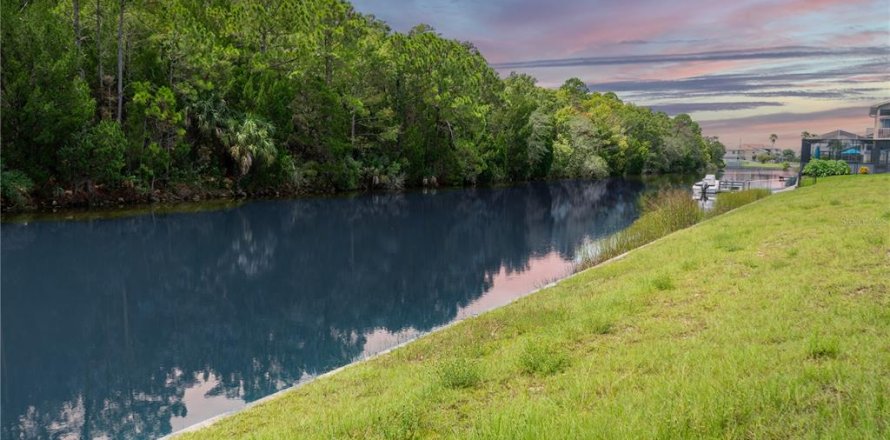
pixel 328 58
pixel 99 53
pixel 352 134
pixel 77 36
pixel 120 63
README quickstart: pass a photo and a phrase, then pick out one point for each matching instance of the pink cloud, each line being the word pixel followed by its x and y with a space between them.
pixel 788 126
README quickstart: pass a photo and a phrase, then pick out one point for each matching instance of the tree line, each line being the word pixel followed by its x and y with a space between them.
pixel 141 96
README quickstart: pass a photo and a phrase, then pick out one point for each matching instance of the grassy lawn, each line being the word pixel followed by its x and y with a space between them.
pixel 771 321
pixel 778 166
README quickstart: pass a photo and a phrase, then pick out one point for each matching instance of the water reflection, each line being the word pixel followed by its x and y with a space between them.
pixel 131 328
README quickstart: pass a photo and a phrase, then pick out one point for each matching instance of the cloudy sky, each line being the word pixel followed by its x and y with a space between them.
pixel 743 68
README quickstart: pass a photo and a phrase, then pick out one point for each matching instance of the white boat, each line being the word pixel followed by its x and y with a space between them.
pixel 706 187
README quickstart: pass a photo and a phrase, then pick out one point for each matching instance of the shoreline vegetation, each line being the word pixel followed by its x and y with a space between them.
pixel 663 213
pixel 727 329
pixel 124 103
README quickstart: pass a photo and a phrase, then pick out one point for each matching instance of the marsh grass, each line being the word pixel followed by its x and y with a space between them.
pixel 663 213
pixel 731 200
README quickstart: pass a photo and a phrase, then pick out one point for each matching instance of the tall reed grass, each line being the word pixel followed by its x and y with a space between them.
pixel 664 212
pixel 731 200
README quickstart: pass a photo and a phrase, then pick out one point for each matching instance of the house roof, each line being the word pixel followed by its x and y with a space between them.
pixel 840 134
pixel 751 147
pixel 874 109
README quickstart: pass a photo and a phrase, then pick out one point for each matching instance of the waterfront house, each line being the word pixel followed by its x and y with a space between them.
pixel 749 152
pixel 881 115
pixel 871 151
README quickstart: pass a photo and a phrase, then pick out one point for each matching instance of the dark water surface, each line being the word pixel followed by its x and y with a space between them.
pixel 137 327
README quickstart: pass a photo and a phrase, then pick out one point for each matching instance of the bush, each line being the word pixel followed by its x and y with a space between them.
pixel 96 157
pixel 825 168
pixel 863 170
pixel 594 167
pixel 15 188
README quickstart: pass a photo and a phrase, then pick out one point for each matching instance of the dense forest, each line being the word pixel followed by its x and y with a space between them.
pixel 143 99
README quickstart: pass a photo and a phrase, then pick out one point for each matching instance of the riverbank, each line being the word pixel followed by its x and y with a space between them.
pixel 770 321
pixel 185 198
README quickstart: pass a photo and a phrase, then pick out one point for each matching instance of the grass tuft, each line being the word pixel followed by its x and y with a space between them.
pixel 401 424
pixel 663 282
pixel 542 358
pixel 820 348
pixel 459 373
pixel 601 326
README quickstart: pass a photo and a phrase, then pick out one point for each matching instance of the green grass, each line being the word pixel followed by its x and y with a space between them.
pixel 663 213
pixel 728 201
pixel 770 165
pixel 771 321
pixel 459 373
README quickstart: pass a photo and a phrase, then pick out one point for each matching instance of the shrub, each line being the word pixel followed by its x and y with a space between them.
pixel 459 373
pixel 389 177
pixel 764 157
pixel 825 168
pixel 863 170
pixel 15 188
pixel 96 157
pixel 593 167
pixel 538 357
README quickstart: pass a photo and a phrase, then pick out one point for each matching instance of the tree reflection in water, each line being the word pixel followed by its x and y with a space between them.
pixel 119 328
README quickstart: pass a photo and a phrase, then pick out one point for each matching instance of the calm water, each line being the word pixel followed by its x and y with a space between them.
pixel 136 327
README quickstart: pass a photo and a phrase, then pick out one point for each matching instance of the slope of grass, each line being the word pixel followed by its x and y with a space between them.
pixel 769 165
pixel 771 321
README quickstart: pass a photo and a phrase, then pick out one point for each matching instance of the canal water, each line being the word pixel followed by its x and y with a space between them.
pixel 140 326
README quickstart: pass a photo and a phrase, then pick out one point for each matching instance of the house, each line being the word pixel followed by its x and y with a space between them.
pixel 881 115
pixel 871 151
pixel 841 134
pixel 749 152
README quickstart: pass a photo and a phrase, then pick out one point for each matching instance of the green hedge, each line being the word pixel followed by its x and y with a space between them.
pixel 824 168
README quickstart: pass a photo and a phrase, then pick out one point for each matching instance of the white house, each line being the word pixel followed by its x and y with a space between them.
pixel 881 113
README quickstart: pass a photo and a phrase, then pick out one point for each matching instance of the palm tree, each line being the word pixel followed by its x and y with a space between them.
pixel 249 141
pixel 773 138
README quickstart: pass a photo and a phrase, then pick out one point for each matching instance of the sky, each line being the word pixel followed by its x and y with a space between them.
pixel 743 68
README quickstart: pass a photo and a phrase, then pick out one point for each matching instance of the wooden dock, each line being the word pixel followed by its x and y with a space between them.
pixel 709 187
